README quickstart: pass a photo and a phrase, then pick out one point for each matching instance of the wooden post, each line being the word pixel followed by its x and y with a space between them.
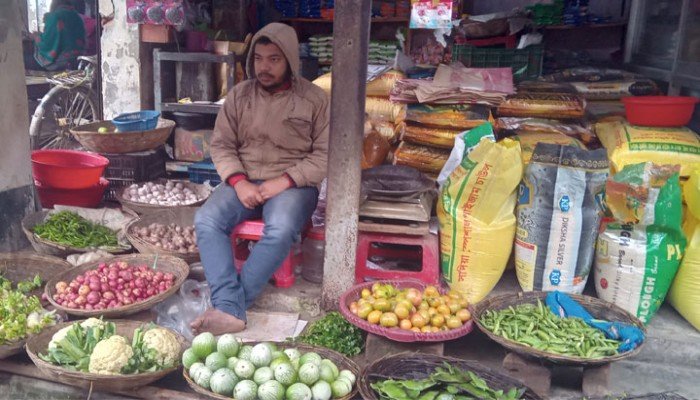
pixel 350 44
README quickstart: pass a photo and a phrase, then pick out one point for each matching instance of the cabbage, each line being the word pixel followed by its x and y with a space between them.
pixel 309 374
pixel 245 390
pixel 244 352
pixel 310 357
pixel 193 368
pixel 298 391
pixel 263 374
pixel 231 363
pixel 202 376
pixel 326 373
pixel 244 369
pixel 203 345
pixel 223 381
pixel 293 354
pixel 261 355
pixel 228 345
pixel 271 390
pixel 348 375
pixel 285 374
pixel 321 391
pixel 188 358
pixel 215 361
pixel 341 388
pixel 333 367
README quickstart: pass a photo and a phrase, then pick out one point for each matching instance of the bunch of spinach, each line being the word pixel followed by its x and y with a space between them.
pixel 335 333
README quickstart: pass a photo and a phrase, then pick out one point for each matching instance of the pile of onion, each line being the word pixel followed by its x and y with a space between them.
pixel 168 194
pixel 171 237
pixel 112 285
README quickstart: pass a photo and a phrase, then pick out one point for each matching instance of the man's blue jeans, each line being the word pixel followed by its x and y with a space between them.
pixel 284 215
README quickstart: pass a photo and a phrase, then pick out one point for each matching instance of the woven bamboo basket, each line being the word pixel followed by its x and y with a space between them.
pixel 19 267
pixel 598 308
pixel 106 383
pixel 176 266
pixel 338 359
pixel 202 191
pixel 122 142
pixel 396 333
pixel 55 249
pixel 420 366
pixel 183 216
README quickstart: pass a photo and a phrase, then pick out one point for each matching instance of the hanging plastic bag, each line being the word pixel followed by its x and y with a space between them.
pixel 476 217
pixel 641 245
pixel 178 311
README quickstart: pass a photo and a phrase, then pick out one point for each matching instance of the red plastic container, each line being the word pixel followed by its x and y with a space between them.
pixel 662 111
pixel 67 169
pixel 89 198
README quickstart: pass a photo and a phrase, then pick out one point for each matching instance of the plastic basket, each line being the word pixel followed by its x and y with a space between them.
pixel 137 121
pixel 204 171
pixel 526 63
pixel 139 167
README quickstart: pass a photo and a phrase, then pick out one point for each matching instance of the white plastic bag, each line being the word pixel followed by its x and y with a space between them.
pixel 178 311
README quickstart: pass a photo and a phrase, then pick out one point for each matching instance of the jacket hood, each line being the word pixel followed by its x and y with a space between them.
pixel 285 37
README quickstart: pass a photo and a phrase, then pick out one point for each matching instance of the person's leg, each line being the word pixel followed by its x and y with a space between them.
pixel 213 224
pixel 285 216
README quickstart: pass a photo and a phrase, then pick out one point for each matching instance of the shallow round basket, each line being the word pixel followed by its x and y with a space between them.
pixel 182 216
pixel 338 359
pixel 420 366
pixel 397 334
pixel 598 308
pixel 55 249
pixel 122 142
pixel 202 191
pixel 176 266
pixel 39 344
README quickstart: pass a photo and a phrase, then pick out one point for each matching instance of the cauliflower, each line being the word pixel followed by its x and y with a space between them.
pixel 59 335
pixel 164 344
pixel 110 356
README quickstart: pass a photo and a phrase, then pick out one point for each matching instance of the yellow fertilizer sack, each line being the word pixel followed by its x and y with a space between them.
pixel 684 295
pixel 528 142
pixel 628 144
pixel 477 223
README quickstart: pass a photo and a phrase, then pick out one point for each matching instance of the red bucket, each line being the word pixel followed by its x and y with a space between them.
pixel 67 169
pixel 662 111
pixel 89 198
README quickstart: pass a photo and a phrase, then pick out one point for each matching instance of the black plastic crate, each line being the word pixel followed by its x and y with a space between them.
pixel 137 167
pixel 115 186
pixel 204 171
pixel 526 63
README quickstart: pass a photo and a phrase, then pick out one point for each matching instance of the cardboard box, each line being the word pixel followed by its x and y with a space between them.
pixel 156 33
pixel 192 145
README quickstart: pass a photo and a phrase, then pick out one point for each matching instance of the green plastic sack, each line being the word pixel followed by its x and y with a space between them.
pixel 684 295
pixel 641 243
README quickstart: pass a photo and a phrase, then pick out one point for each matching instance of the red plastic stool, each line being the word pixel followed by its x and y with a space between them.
pixel 252 231
pixel 429 257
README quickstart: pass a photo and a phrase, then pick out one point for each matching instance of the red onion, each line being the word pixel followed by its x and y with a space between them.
pixel 112 275
pixel 93 298
pixel 108 295
pixel 104 287
pixel 80 300
pixel 84 290
pixel 120 287
pixel 137 293
pixel 88 307
pixel 80 279
pixel 140 283
pixel 95 286
pixel 70 304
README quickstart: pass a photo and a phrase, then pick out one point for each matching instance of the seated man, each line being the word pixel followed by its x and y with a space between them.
pixel 270 146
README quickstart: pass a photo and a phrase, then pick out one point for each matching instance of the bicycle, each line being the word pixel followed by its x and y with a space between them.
pixel 70 102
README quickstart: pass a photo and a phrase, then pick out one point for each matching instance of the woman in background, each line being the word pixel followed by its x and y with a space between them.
pixel 63 39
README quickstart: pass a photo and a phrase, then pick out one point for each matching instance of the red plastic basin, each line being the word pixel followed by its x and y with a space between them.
pixel 663 111
pixel 67 169
pixel 90 197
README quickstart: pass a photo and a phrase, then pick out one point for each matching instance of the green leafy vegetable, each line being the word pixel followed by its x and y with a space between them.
pixel 71 229
pixel 335 333
pixel 74 349
pixel 21 315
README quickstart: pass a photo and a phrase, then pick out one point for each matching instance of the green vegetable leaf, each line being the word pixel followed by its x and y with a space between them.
pixel 335 333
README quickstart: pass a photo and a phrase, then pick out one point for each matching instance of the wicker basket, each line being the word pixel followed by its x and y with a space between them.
pixel 597 308
pixel 202 191
pixel 420 366
pixel 396 334
pixel 174 265
pixel 183 216
pixel 54 249
pixel 122 142
pixel 338 359
pixel 106 383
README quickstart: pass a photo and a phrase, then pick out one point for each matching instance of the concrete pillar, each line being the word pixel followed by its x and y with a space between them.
pixel 16 184
pixel 350 42
pixel 121 63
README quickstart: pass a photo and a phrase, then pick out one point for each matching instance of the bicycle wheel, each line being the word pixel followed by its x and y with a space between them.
pixel 60 110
